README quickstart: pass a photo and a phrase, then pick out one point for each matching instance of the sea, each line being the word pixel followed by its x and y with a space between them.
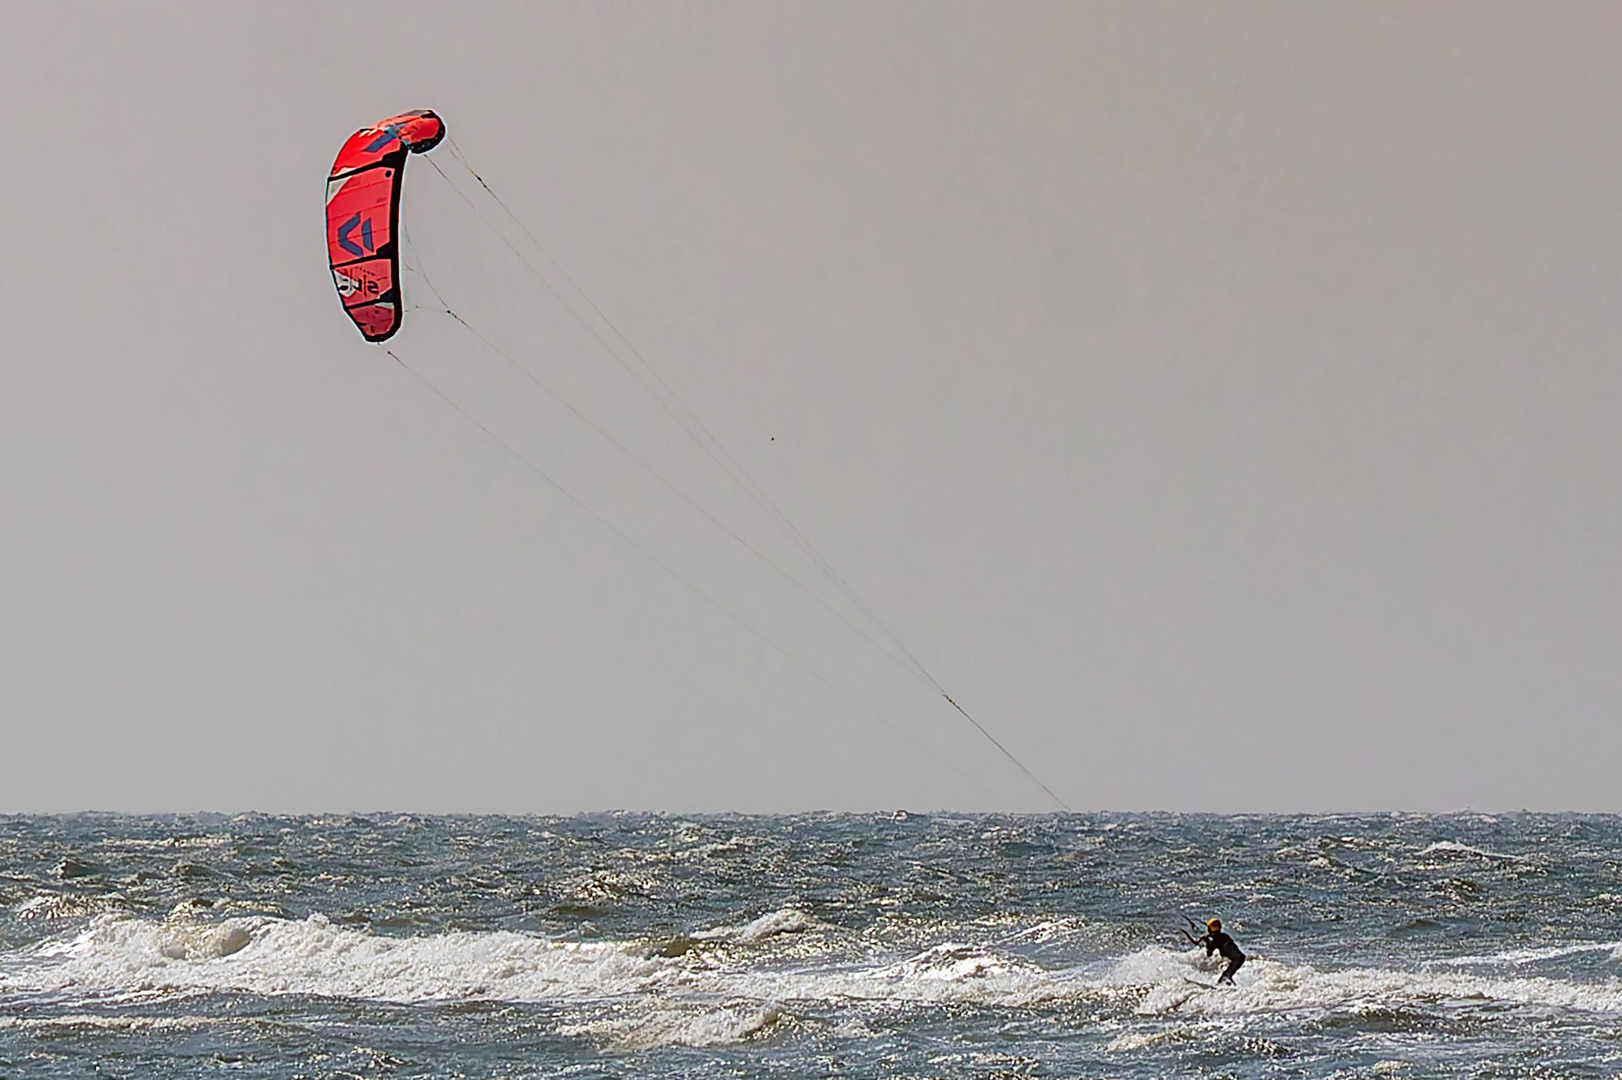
pixel 817 945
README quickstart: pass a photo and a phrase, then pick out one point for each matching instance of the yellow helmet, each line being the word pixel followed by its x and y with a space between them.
pixel 1213 925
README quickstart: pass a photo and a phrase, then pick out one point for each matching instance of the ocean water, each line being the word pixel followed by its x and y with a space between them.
pixel 901 945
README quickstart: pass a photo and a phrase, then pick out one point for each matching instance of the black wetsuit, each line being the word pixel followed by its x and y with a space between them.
pixel 1217 942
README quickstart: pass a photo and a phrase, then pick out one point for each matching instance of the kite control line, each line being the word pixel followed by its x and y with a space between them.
pixel 363 244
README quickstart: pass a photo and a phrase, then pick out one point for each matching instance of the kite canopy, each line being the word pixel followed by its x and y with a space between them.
pixel 363 215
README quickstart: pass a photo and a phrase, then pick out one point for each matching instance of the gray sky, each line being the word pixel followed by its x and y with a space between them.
pixel 1220 400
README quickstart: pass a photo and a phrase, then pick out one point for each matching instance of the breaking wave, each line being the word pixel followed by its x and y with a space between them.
pixel 716 994
pixel 1269 986
pixel 1452 847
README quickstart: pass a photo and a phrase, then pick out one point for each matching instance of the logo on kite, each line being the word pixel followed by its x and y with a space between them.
pixel 361 251
pixel 365 247
pixel 349 285
pixel 389 134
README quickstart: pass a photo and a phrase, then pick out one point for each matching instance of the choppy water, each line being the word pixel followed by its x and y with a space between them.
pixel 863 946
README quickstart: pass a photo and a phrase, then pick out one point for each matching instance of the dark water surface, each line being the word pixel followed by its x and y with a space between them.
pixel 820 945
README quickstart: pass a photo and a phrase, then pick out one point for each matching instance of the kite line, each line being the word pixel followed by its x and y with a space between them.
pixel 641 549
pixel 671 402
pixel 364 241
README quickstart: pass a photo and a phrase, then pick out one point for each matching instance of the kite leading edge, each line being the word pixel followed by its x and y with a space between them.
pixel 363 216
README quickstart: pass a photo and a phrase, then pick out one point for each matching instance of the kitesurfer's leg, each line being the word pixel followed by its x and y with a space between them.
pixel 1227 975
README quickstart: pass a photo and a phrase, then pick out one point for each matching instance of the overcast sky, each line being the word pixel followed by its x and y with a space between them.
pixel 1221 401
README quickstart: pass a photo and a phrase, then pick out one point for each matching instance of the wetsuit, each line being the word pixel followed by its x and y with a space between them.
pixel 1216 941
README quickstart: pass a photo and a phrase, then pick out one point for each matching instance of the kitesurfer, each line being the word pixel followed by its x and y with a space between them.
pixel 1215 941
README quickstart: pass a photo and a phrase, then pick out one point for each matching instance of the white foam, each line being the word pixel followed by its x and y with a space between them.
pixel 945 973
pixel 730 1023
pixel 702 998
pixel 1137 1040
pixel 1268 986
pixel 315 957
pixel 96 1022
pixel 1531 956
pixel 1157 965
pixel 1451 847
pixel 772 924
pixel 49 906
pixel 117 953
